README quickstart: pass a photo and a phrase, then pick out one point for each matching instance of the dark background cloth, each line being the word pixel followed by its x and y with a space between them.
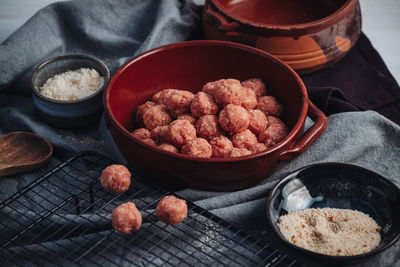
pixel 117 30
pixel 360 81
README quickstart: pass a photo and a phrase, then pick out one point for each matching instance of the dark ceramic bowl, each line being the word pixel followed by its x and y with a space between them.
pixel 338 185
pixel 189 65
pixel 63 113
pixel 308 35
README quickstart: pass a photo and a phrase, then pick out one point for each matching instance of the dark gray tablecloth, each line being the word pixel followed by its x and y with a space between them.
pixel 116 30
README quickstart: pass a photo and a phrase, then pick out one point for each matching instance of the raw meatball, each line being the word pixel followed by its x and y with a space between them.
pixel 180 131
pixel 187 117
pixel 207 127
pixel 168 147
pixel 116 178
pixel 270 106
pixel 245 139
pixel 163 96
pixel 149 141
pixel 234 118
pixel 209 87
pixel 126 218
pixel 142 109
pixel 258 121
pixel 179 102
pixel 274 120
pixel 273 134
pixel 159 134
pixel 203 104
pixel 141 133
pixel 259 147
pixel 171 210
pixel 238 152
pixel 249 99
pixel 221 146
pixel 157 97
pixel 156 116
pixel 229 92
pixel 197 147
pixel 257 85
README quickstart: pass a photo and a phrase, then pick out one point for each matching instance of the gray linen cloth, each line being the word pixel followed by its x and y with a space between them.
pixel 117 30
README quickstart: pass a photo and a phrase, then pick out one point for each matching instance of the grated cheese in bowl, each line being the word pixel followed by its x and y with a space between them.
pixel 335 232
pixel 72 85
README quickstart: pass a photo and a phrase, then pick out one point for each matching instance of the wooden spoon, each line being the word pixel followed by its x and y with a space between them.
pixel 23 152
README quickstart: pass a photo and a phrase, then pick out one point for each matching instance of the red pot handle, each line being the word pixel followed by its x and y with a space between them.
pixel 303 142
pixel 231 28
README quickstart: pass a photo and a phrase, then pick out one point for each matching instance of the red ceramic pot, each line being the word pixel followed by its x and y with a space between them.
pixel 189 65
pixel 308 34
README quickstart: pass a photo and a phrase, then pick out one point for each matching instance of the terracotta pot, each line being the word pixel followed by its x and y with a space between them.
pixel 308 35
pixel 189 65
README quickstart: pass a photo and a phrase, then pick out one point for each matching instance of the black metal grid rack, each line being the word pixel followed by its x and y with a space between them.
pixel 63 218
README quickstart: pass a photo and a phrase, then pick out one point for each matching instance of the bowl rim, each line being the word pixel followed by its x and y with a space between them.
pixel 328 257
pixel 97 61
pixel 290 138
pixel 330 19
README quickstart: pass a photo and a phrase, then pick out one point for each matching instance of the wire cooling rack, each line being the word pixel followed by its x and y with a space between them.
pixel 63 218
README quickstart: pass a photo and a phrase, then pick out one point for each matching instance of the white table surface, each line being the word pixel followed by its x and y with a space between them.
pixel 381 23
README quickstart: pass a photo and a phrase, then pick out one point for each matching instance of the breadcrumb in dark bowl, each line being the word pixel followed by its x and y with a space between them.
pixel 341 186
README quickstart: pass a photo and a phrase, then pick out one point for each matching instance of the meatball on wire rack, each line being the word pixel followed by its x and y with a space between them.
pixel 63 218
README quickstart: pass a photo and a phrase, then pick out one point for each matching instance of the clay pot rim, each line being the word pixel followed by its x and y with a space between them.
pixel 329 20
pixel 285 143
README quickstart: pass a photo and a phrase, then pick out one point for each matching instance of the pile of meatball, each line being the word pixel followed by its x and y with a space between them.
pixel 227 118
pixel 126 217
